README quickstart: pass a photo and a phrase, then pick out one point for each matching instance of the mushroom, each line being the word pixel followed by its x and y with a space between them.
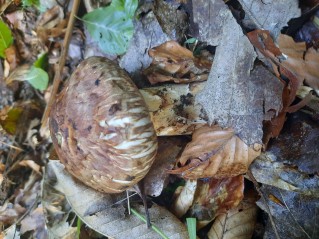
pixel 101 124
pixel 101 128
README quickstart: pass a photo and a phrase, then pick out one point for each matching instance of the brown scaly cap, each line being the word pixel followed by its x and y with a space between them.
pixel 101 129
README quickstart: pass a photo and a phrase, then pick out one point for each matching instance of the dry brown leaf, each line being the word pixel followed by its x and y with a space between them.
pixel 215 152
pixel 216 197
pixel 304 63
pixel 172 62
pixel 238 223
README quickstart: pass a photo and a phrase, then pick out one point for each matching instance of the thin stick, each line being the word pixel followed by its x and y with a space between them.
pixel 11 146
pixel 64 52
pixel 252 178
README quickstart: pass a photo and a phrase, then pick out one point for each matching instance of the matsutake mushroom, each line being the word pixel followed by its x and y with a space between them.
pixel 101 128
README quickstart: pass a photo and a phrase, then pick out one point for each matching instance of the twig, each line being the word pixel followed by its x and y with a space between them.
pixel 11 146
pixel 64 52
pixel 252 178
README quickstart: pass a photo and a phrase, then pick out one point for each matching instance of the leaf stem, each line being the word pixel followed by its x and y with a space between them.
pixel 156 229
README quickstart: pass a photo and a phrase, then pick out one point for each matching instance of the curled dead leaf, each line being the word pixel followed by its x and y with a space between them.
pixel 304 63
pixel 215 152
pixel 172 62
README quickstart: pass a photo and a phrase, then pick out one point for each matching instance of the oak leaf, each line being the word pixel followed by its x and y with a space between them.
pixel 215 152
pixel 237 223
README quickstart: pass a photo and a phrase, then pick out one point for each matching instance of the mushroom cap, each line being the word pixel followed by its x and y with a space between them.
pixel 101 128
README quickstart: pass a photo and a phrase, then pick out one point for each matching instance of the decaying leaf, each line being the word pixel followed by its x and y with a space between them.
pixel 57 210
pixel 34 222
pixel 52 24
pixel 147 34
pixel 271 15
pixel 172 17
pixel 295 216
pixel 234 96
pixel 268 170
pixel 237 223
pixel 216 196
pixel 300 60
pixel 214 152
pixel 262 40
pixel 157 178
pixel 184 199
pixel 173 109
pixel 106 214
pixel 297 144
pixel 172 62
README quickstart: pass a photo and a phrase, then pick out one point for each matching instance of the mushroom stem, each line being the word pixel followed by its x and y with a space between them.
pixel 173 109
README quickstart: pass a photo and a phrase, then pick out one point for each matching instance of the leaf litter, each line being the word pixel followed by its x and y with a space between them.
pixel 252 84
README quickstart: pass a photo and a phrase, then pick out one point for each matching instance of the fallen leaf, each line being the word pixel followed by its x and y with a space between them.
pixel 271 15
pixel 296 219
pixel 157 178
pixel 299 60
pixel 106 214
pixel 230 82
pixel 214 152
pixel 296 145
pixel 184 199
pixel 238 222
pixel 172 62
pixel 58 213
pixel 34 222
pixel 262 40
pixel 172 17
pixel 216 196
pixel 147 34
pixel 267 169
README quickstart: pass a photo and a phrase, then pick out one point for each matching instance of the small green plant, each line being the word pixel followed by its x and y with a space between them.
pixel 79 224
pixel 191 227
pixel 29 3
pixel 156 229
pixel 112 26
pixel 6 38
pixel 37 76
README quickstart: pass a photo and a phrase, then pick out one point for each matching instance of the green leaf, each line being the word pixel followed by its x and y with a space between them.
pixel 5 38
pixel 129 6
pixel 190 40
pixel 38 78
pixel 29 3
pixel 111 27
pixel 191 227
pixel 42 61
